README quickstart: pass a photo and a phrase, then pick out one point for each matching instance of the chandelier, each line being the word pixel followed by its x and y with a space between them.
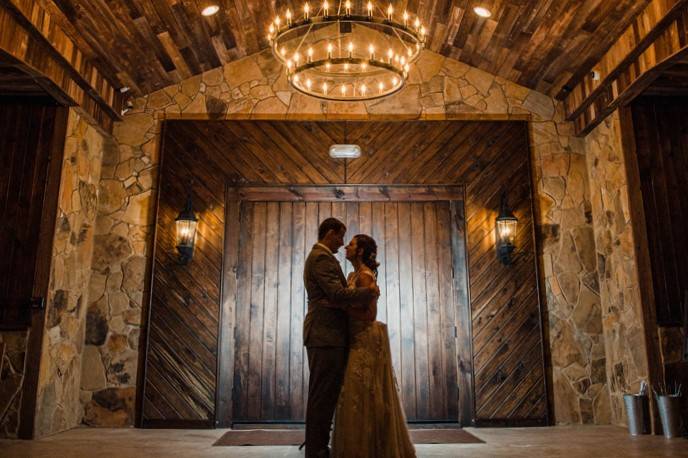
pixel 347 55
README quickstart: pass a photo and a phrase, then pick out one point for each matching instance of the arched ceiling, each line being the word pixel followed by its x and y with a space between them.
pixel 150 44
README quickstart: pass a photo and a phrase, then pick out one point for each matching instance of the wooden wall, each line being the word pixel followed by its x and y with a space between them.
pixel 28 128
pixel 661 138
pixel 487 157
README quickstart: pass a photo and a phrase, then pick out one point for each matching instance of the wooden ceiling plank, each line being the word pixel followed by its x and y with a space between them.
pixel 171 48
pixel 248 26
pixel 201 34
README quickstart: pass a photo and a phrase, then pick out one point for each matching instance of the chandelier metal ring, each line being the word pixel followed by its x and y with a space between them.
pixel 344 73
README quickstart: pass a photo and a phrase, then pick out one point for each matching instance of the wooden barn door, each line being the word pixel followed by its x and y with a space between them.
pixel 418 301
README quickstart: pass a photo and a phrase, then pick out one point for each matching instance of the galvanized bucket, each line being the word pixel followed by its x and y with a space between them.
pixel 638 413
pixel 670 414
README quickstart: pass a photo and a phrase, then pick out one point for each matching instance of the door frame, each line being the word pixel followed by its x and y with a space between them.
pixel 236 194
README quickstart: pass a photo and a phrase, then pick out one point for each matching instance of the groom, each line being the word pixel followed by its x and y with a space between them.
pixel 325 332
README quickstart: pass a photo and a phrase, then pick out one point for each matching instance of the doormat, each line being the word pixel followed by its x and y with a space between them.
pixel 296 437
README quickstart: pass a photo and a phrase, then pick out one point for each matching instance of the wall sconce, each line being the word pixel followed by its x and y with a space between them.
pixel 506 227
pixel 186 224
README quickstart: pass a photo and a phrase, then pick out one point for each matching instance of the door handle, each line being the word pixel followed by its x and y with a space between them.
pixel 37 303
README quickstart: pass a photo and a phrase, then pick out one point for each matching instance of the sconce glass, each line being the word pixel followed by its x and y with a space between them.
pixel 507 224
pixel 186 232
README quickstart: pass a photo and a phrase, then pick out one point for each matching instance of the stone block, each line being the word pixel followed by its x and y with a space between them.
pixel 92 369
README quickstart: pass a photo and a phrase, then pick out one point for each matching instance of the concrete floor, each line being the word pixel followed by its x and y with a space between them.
pixel 584 442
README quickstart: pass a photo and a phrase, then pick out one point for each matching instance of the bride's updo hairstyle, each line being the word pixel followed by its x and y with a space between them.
pixel 369 247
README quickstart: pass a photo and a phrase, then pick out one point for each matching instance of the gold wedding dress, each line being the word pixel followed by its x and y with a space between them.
pixel 370 421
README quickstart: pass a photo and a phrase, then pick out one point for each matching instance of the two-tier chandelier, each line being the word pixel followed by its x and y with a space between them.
pixel 337 53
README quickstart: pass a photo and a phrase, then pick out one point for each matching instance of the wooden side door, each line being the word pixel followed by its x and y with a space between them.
pixel 270 373
pixel 31 132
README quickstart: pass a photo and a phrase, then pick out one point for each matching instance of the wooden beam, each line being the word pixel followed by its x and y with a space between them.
pixel 33 42
pixel 656 39
pixel 346 193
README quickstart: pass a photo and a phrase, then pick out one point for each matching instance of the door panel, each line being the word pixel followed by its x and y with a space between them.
pixel 416 302
pixel 29 132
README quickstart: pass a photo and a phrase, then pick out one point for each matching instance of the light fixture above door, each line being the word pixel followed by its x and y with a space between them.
pixel 345 151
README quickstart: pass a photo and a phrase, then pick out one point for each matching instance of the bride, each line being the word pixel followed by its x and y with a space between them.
pixel 369 421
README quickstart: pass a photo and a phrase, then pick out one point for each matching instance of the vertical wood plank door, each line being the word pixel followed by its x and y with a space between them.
pixel 29 132
pixel 417 302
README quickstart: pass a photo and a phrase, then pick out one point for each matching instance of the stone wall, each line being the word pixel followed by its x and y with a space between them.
pixel 58 407
pixel 12 370
pixel 621 302
pixel 256 87
pixel 114 313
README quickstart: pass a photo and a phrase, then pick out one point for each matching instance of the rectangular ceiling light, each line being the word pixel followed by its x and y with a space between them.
pixel 345 151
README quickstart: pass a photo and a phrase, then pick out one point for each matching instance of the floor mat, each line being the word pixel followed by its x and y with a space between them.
pixel 296 437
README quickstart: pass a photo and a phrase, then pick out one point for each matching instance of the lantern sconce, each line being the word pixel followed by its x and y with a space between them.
pixel 506 226
pixel 186 224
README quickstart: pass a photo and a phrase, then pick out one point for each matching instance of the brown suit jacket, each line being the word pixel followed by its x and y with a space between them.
pixel 326 323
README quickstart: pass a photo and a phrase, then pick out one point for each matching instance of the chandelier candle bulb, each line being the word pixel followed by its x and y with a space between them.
pixel 363 89
pixel 371 51
pixel 406 18
pixel 417 23
pixel 390 11
pixel 306 11
pixel 343 90
pixel 310 55
pixel 309 83
pixel 390 55
pixel 347 7
pixel 370 9
pixel 288 14
pixel 351 49
pixel 277 22
pixel 381 86
pixel 330 48
pixel 326 8
pixel 324 88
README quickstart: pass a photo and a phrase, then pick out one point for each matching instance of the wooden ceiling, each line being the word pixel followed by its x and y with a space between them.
pixel 149 44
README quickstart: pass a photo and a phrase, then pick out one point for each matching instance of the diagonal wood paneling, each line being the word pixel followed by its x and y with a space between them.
pixel 505 352
pixel 150 44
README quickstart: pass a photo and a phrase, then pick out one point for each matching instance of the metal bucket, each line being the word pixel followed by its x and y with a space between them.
pixel 670 413
pixel 638 413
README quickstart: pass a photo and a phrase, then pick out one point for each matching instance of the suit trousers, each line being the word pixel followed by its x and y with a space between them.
pixel 327 366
